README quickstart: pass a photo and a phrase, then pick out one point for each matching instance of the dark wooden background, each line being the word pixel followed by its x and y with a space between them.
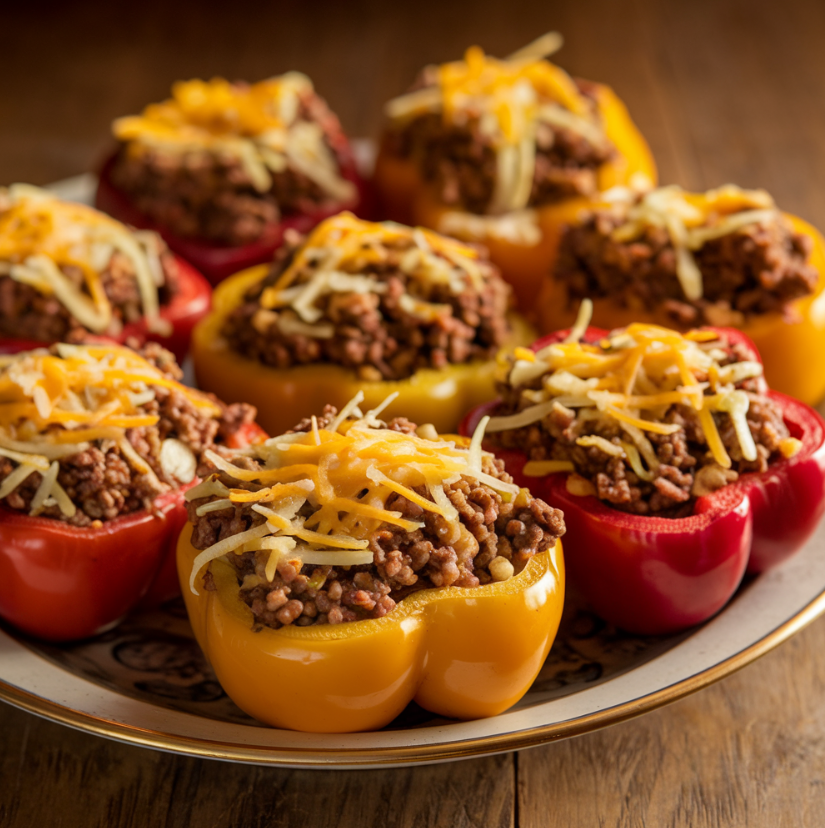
pixel 725 91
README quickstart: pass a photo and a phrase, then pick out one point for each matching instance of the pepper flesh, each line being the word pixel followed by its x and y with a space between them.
pixel 462 653
pixel 187 307
pixel 656 575
pixel 793 352
pixel 406 198
pixel 283 396
pixel 217 261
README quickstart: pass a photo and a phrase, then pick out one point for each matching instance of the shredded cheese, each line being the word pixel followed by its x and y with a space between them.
pixel 335 258
pixel 340 481
pixel 261 125
pixel 691 220
pixel 43 240
pixel 55 405
pixel 541 468
pixel 632 378
pixel 509 98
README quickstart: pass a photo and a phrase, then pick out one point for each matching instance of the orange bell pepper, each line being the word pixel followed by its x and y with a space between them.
pixel 283 396
pixel 406 198
pixel 793 353
pixel 462 653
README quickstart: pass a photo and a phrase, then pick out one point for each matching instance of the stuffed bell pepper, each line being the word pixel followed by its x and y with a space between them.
pixel 97 445
pixel 340 570
pixel 726 257
pixel 68 271
pixel 221 170
pixel 505 152
pixel 355 306
pixel 675 467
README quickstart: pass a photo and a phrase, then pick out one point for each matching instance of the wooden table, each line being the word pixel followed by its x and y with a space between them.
pixel 725 91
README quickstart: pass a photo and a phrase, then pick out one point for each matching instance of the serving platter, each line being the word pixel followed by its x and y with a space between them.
pixel 147 683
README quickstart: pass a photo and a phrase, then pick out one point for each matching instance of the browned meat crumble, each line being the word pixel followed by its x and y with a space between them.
pixel 211 196
pixel 103 484
pixel 759 269
pixel 495 535
pixel 460 161
pixel 371 332
pixel 686 468
pixel 28 313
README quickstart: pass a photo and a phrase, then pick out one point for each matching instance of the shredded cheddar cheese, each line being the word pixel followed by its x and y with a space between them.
pixel 42 237
pixel 633 377
pixel 54 405
pixel 509 98
pixel 260 125
pixel 328 488
pixel 333 257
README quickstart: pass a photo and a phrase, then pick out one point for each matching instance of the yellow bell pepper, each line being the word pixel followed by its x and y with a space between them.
pixel 462 653
pixel 406 198
pixel 284 396
pixel 793 353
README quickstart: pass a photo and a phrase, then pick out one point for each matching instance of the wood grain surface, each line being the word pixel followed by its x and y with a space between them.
pixel 724 91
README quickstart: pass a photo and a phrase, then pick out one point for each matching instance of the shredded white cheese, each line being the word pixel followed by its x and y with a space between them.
pixel 42 238
pixel 260 125
pixel 347 473
pixel 692 220
pixel 508 98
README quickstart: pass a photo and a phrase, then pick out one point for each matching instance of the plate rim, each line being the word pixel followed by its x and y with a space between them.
pixel 411 754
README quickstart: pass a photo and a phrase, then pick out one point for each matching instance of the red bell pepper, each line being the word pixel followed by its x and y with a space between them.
pixel 188 306
pixel 658 575
pixel 62 583
pixel 217 261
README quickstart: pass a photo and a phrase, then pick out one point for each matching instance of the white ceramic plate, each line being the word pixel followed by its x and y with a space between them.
pixel 147 683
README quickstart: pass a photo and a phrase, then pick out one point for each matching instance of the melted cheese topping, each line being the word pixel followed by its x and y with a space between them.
pixel 633 377
pixel 41 237
pixel 691 220
pixel 508 98
pixel 347 473
pixel 56 405
pixel 334 256
pixel 260 125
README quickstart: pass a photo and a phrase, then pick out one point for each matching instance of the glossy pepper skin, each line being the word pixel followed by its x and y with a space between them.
pixel 406 198
pixel 63 583
pixel 217 261
pixel 187 308
pixel 283 396
pixel 657 575
pixel 462 653
pixel 793 353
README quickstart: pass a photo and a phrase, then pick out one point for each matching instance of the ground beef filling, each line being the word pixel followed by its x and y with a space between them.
pixel 373 335
pixel 496 540
pixel 759 269
pixel 460 161
pixel 103 485
pixel 27 313
pixel 210 196
pixel 686 469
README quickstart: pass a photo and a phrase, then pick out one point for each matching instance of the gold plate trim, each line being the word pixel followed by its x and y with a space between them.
pixel 410 754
